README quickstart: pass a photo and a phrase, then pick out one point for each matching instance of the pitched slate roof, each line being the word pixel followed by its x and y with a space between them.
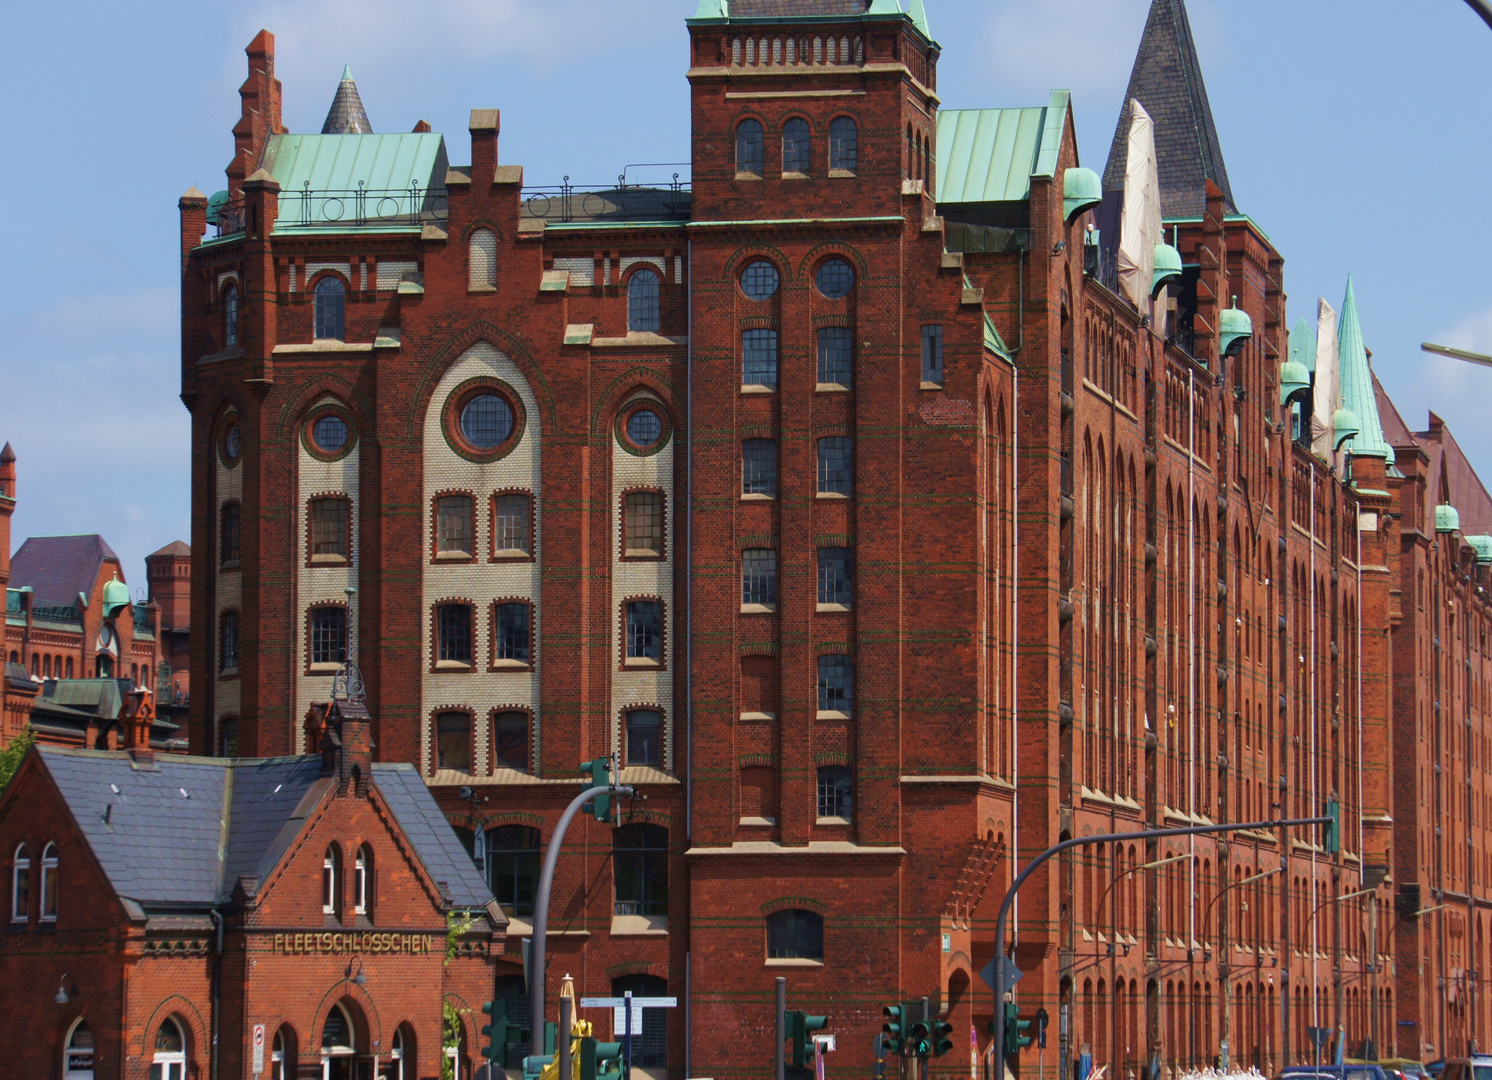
pixel 1167 81
pixel 182 833
pixel 347 115
pixel 59 567
pixel 175 547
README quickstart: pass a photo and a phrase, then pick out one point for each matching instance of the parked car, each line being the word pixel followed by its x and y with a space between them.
pixel 1360 1071
pixel 1478 1067
pixel 1398 1068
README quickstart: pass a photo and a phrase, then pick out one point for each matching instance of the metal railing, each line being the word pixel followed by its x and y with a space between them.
pixel 622 201
pixel 363 207
pixel 231 218
pixel 55 612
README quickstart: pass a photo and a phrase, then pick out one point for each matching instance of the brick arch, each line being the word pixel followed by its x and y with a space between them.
pixel 750 251
pixel 645 817
pixel 343 990
pixel 638 967
pixel 835 247
pixel 785 903
pixel 308 393
pixel 182 1009
pixel 619 393
pixel 481 223
pixel 514 348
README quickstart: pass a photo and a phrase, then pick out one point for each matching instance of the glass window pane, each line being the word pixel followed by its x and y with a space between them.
pixel 836 793
pixel 453 741
pixel 645 630
pixel 836 355
pixel 513 869
pixel 640 855
pixel 229 650
pixel 844 145
pixel 932 354
pixel 645 428
pixel 454 629
pixel 836 278
pixel 749 147
pixel 510 521
pixel 760 279
pixel 232 533
pixel 644 737
pixel 797 146
pixel 487 421
pixel 454 524
pixel 331 308
pixel 512 638
pixel 329 527
pixel 759 467
pixel 795 934
pixel 836 572
pixel 642 302
pixel 759 576
pixel 643 524
pixel 759 358
pixel 510 740
pixel 836 684
pixel 836 465
pixel 328 635
pixel 329 433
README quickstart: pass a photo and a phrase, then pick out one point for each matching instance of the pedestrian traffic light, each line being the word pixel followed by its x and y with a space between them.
pixel 501 1033
pixel 895 1029
pixel 599 1060
pixel 919 1038
pixel 1015 1040
pixel 1333 827
pixel 800 1029
pixel 598 772
pixel 941 1043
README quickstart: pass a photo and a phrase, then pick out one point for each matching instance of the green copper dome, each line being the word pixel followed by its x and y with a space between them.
pixel 1235 329
pixel 116 597
pixel 1447 518
pixel 1294 379
pixel 1167 268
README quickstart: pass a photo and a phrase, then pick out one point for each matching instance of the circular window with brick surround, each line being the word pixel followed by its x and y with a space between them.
pixel 642 428
pixel 329 433
pixel 230 446
pixel 483 419
pixel 836 279
pixel 760 279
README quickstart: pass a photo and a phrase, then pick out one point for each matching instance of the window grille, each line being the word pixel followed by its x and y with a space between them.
pixel 331 309
pixel 512 641
pixel 835 278
pixel 230 315
pixel 759 467
pixel 797 145
pixel 329 433
pixel 844 144
pixel 759 358
pixel 642 302
pixel 454 524
pixel 836 684
pixel 836 355
pixel 510 523
pixel 759 576
pixel 836 792
pixel 486 421
pixel 644 630
pixel 329 527
pixel 232 533
pixel 836 465
pixel 328 635
pixel 836 576
pixel 650 1045
pixel 760 279
pixel 454 630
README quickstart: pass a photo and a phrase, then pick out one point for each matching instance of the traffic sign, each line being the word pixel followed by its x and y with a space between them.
pixel 1012 973
pixel 258 1049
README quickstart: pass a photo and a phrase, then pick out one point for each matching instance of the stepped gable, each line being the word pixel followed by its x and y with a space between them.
pixel 1167 81
pixel 347 115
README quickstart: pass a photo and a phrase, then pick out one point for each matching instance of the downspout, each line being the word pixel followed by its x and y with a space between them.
pixel 217 994
pixel 1015 592
pixel 1191 639
pixel 1315 927
pixel 689 619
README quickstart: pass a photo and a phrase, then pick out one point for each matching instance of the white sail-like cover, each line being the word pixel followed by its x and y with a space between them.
pixel 1327 394
pixel 1140 225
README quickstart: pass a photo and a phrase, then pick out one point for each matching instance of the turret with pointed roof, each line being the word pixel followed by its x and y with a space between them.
pixel 1357 383
pixel 1167 81
pixel 347 115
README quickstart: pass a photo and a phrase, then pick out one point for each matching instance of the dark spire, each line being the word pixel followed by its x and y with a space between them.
pixel 347 116
pixel 1167 80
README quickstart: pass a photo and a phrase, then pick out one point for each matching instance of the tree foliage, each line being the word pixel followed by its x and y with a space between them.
pixel 12 756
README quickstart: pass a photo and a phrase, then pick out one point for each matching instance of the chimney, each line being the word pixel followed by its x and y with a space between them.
pixel 485 126
pixel 346 742
pixel 193 208
pixel 260 117
pixel 135 720
pixel 7 507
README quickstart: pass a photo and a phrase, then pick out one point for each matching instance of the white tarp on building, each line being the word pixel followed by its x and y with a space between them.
pixel 1140 225
pixel 1327 395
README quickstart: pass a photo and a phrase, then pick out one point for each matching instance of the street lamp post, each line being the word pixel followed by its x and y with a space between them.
pixel 1482 8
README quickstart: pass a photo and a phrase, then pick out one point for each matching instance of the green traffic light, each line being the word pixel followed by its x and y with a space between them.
pixel 894 1030
pixel 599 774
pixel 1333 827
pixel 800 1029
pixel 1015 1039
pixel 941 1043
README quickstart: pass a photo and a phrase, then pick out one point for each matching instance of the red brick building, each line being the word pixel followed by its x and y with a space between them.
pixel 165 914
pixel 871 503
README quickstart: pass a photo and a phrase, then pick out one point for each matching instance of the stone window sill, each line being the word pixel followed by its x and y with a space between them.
pixel 842 174
pixel 511 555
pixel 230 564
pixel 642 553
pixel 831 388
pixel 932 385
pixel 795 963
pixel 511 665
pixel 643 662
pixel 795 176
pixel 452 556
pixel 830 495
pixel 759 822
pixel 748 176
pixel 831 714
pixel 833 607
pixel 757 388
pixel 228 673
pixel 452 665
pixel 758 609
pixel 754 497
pixel 639 926
pixel 481 289
pixel 832 821
pixel 758 716
pixel 328 560
pixel 323 669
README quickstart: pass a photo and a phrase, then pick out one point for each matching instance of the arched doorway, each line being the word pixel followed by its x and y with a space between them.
pixel 338 1045
pixel 168 1061
pixel 77 1052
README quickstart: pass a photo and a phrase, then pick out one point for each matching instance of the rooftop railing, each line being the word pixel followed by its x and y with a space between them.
pixel 363 208
pixel 640 196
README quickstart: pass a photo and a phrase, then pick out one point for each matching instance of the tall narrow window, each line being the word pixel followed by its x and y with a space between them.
pixel 362 868
pixel 642 302
pixel 329 881
pixel 836 465
pixel 759 577
pixel 836 356
pixel 836 684
pixel 453 525
pixel 644 737
pixel 331 309
pixel 510 741
pixel 453 633
pixel 513 853
pixel 511 642
pixel 759 358
pixel 750 148
pixel 20 885
pixel 328 635
pixel 645 630
pixel 453 741
pixel 836 576
pixel 227 645
pixel 511 515
pixel 795 934
pixel 169 1060
pixel 797 146
pixel 230 315
pixel 932 355
pixel 844 145
pixel 836 792
pixel 231 534
pixel 481 269
pixel 640 857
pixel 759 467
pixel 329 528
pixel 642 514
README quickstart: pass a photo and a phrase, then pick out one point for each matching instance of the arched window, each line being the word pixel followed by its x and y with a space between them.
pixel 640 856
pixel 795 934
pixel 49 883
pixel 750 148
pixel 330 881
pixel 77 1052
pixel 401 1050
pixel 338 1040
pixel 844 145
pixel 46 667
pixel 282 1055
pixel 69 674
pixel 227 646
pixel 642 302
pixel 650 1045
pixel 169 1062
pixel 331 309
pixel 644 737
pixel 797 146
pixel 453 741
pixel 20 885
pixel 230 316
pixel 362 881
pixel 481 270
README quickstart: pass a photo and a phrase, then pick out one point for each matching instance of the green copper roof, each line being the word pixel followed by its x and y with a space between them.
pixel 990 155
pixel 1357 383
pixel 1303 344
pixel 918 14
pixel 340 163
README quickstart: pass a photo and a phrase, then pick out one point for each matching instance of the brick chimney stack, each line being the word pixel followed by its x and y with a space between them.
pixel 7 507
pixel 260 117
pixel 345 730
pixel 136 718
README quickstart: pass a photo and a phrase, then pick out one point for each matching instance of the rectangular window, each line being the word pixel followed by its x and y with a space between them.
pixel 228 651
pixel 644 737
pixel 328 635
pixel 510 525
pixel 836 355
pixel 836 684
pixel 642 515
pixel 836 792
pixel 512 638
pixel 836 465
pixel 453 741
pixel 360 884
pixel 453 631
pixel 329 527
pixel 836 572
pixel 510 740
pixel 453 525
pixel 759 467
pixel 759 358
pixel 759 576
pixel 645 630
pixel 232 534
pixel 932 355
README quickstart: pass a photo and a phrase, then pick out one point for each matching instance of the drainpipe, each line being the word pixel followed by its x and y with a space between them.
pixel 689 625
pixel 217 994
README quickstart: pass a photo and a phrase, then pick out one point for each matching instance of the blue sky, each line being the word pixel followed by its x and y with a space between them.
pixel 1353 132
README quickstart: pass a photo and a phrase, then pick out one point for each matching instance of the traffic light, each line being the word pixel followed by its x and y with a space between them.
pixel 501 1033
pixel 1015 1041
pixel 941 1043
pixel 1333 827
pixel 598 772
pixel 895 1029
pixel 919 1038
pixel 800 1029
pixel 599 1060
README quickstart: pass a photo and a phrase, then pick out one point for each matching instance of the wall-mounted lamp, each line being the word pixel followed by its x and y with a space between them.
pixel 63 997
pixel 358 978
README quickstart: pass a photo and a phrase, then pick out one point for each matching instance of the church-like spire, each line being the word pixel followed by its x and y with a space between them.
pixel 1167 81
pixel 347 115
pixel 1357 383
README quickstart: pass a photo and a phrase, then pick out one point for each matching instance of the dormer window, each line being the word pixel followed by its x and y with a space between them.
pixel 844 145
pixel 750 148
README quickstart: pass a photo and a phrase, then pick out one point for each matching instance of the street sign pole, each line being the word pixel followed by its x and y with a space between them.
pixel 626 1037
pixel 781 1028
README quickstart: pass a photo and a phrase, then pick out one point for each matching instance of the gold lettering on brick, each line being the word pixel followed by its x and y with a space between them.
pixel 343 944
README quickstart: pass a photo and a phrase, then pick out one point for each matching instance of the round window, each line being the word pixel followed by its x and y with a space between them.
pixel 760 280
pixel 836 278
pixel 329 433
pixel 645 428
pixel 232 442
pixel 486 421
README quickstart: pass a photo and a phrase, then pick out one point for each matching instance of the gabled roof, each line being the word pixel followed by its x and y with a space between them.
pixel 182 832
pixel 990 155
pixel 1167 81
pixel 347 115
pixel 59 567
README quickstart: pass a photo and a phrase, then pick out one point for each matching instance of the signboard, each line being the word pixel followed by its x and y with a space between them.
pixel 347 944
pixel 258 1049
pixel 973 1052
